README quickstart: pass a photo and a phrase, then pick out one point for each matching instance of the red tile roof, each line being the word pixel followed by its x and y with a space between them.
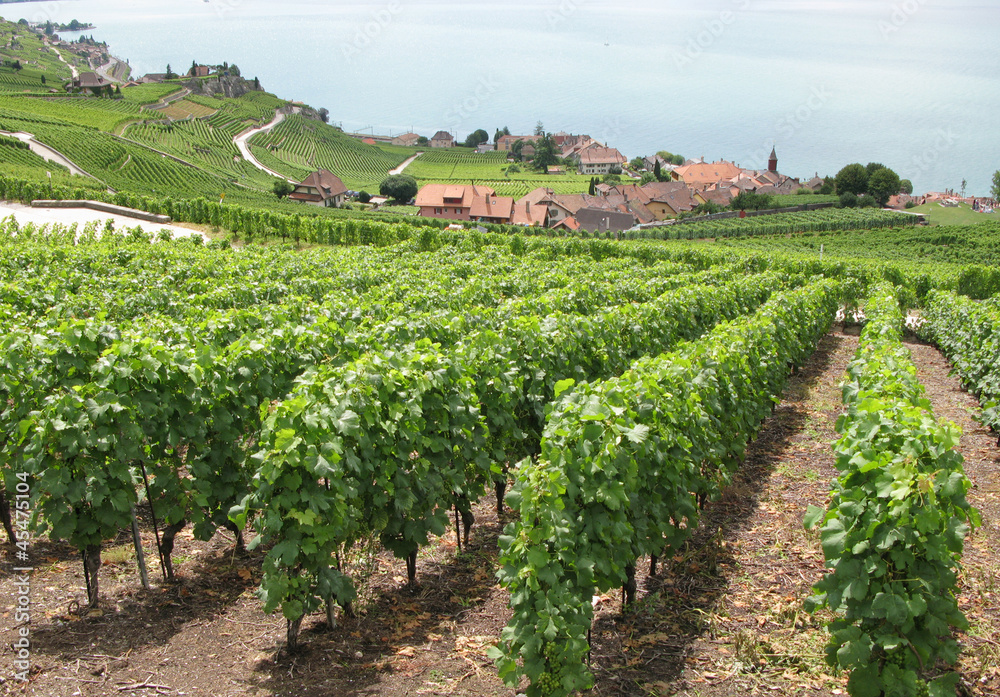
pixel 597 155
pixel 319 186
pixel 491 206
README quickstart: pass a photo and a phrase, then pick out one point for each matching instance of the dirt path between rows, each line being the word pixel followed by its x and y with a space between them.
pixel 722 618
pixel 980 581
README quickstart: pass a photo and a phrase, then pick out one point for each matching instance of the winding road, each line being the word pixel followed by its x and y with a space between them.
pixel 242 143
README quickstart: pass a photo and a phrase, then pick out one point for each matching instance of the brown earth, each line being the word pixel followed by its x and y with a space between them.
pixel 722 618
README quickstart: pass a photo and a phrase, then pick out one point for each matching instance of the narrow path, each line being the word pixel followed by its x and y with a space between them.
pixel 76 73
pixel 723 617
pixel 47 153
pixel 980 580
pixel 406 163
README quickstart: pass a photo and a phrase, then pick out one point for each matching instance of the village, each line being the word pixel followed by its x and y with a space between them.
pixel 623 194
pixel 620 196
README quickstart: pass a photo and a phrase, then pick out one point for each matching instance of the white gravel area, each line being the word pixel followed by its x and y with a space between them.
pixel 67 216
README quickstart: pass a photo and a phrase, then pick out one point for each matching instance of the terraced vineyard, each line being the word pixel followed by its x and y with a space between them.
pixel 458 163
pixel 186 109
pixel 92 112
pixel 298 146
pixel 208 146
pixel 119 164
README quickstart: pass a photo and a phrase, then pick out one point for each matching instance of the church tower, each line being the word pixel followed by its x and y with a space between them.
pixel 772 162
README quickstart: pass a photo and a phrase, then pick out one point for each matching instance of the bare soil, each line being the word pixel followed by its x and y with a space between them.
pixel 722 618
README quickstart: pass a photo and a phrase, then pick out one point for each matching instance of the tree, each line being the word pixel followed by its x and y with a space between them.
pixel 43 79
pixel 707 208
pixel 194 68
pixel 422 140
pixel 282 188
pixel 658 171
pixel 905 187
pixel 233 70
pixel 399 187
pixel 324 115
pixel 170 73
pixel 873 167
pixel 751 201
pixel 637 163
pixel 670 157
pixel 995 189
pixel 364 196
pixel 828 187
pixel 852 179
pixel 515 149
pixel 539 129
pixel 546 153
pixel 647 177
pixel 476 138
pixel 883 184
pixel 593 186
pixel 256 83
pixel 963 188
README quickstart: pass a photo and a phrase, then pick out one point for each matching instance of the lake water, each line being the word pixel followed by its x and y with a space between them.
pixel 913 84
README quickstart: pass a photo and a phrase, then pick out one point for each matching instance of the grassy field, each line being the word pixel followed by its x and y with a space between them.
pixel 947 215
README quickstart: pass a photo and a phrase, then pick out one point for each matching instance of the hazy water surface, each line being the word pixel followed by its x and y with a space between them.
pixel 913 84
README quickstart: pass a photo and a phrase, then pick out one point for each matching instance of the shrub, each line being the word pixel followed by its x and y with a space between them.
pixel 849 200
